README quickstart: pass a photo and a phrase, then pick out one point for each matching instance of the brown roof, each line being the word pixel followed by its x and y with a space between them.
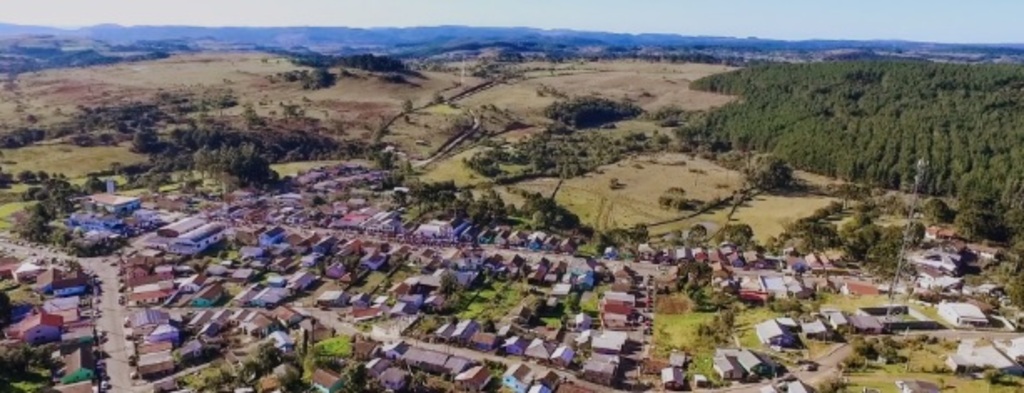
pixel 484 338
pixel 363 349
pixel 269 383
pixel 155 347
pixel 620 309
pixel 285 313
pixel 861 288
pixel 80 387
pixel 79 359
pixel 475 376
pixel 151 295
pixel 325 378
pixel 148 279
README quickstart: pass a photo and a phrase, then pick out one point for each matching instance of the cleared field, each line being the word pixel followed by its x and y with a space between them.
pixel 455 170
pixel 72 161
pixel 644 179
pixel 767 214
pixel 650 85
pixel 886 383
pixel 294 168
pixel 422 133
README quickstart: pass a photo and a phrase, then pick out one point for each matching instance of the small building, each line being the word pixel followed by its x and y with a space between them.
pixel 115 204
pixel 209 296
pixel 327 381
pixel 37 329
pixel 394 379
pixel 673 378
pixel 473 380
pixel 79 365
pixel 963 315
pixel 772 333
pixel 915 386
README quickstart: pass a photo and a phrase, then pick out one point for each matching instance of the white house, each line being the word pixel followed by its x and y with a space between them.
pixel 197 240
pixel 963 314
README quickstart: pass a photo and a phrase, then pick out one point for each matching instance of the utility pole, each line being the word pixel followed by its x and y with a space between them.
pixel 921 169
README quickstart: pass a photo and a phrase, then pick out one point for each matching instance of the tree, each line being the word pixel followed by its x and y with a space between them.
pixel 36 227
pixel 449 283
pixel 5 309
pixel 770 173
pixel 937 211
pixel 407 106
pixel 356 380
pixel 252 119
pixel 572 303
pixel 696 235
pixel 27 176
pixel 739 234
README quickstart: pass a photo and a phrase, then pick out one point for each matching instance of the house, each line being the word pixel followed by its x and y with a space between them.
pixel 272 237
pixel 376 366
pixel 62 283
pixel 373 261
pixel 518 378
pixel 562 356
pixel 282 341
pixel 735 364
pixel 37 329
pixel 816 330
pixel 970 358
pixel 332 299
pixel 287 316
pixel 209 296
pixel 515 346
pixel 601 369
pixel 326 381
pixel 464 330
pixel 79 365
pixel 772 333
pixel 950 262
pixel 915 386
pixel 394 379
pixel 164 333
pixel 484 342
pixel 473 380
pixel 673 378
pixel 77 387
pixel 300 281
pixel 580 322
pixel 88 222
pixel 935 233
pixel 609 342
pixel 365 350
pixel 155 365
pixel 269 297
pixel 115 204
pixel 426 360
pixel 865 324
pixel 540 349
pixel 616 316
pixel 859 288
pixel 455 365
pixel 963 315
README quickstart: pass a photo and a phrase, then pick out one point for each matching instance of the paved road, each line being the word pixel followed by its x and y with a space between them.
pixel 111 314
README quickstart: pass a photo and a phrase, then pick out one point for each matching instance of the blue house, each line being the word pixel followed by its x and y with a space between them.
pixel 61 283
pixel 272 236
pixel 515 346
pixel 518 378
pixel 772 333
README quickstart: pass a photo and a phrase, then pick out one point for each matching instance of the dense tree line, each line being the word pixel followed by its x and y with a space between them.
pixel 365 62
pixel 870 122
pixel 587 112
pixel 318 78
pixel 17 59
pixel 563 156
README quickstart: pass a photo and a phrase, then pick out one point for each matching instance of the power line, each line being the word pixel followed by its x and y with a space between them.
pixel 921 170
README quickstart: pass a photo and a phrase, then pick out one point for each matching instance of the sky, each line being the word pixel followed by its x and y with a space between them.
pixel 954 21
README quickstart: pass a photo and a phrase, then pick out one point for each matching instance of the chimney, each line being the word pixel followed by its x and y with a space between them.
pixel 111 186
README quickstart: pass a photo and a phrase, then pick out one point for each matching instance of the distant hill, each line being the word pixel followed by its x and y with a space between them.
pixel 285 37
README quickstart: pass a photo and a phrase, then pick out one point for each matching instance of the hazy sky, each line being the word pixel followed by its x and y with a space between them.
pixel 924 20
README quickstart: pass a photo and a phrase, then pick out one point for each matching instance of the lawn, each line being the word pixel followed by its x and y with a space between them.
pixel 492 302
pixel 339 346
pixel 370 284
pixel 679 332
pixel 767 214
pixel 72 161
pixel 886 383
pixel 590 302
pixel 745 322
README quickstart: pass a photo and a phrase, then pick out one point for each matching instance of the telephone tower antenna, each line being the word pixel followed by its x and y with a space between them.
pixel 921 170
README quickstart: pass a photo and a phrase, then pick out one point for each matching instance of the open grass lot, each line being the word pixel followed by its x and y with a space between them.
pixel 72 161
pixel 767 214
pixel 651 85
pixel 452 168
pixel 493 301
pixel 294 168
pixel 9 209
pixel 645 179
pixel 370 283
pixel 339 346
pixel 679 332
pixel 424 132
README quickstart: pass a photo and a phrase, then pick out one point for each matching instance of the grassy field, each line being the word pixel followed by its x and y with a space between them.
pixel 650 85
pixel 493 301
pixel 339 346
pixel 9 209
pixel 886 383
pixel 72 161
pixel 455 170
pixel 294 168
pixel 424 132
pixel 767 214
pixel 645 179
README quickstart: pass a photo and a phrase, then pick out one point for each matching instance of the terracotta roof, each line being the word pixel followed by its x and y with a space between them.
pixel 475 376
pixel 325 378
pixel 861 288
pixel 619 309
pixel 155 347
pixel 42 318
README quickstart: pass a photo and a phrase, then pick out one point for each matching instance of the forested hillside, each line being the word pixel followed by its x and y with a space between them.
pixel 870 121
